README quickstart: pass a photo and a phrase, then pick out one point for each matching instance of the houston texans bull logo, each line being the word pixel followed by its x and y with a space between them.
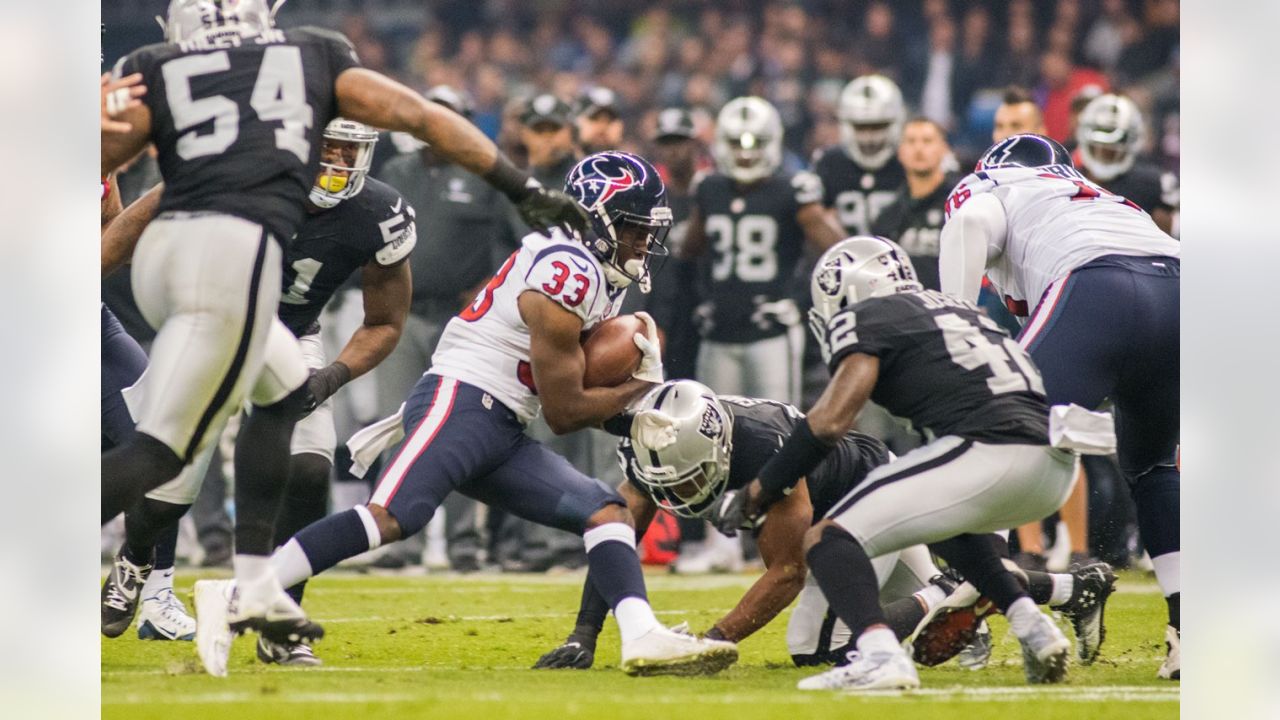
pixel 602 182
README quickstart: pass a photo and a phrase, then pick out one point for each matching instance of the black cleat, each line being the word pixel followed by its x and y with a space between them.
pixel 1092 585
pixel 120 594
pixel 292 654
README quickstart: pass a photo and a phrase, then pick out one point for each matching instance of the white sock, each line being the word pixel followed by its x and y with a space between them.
pixel 930 596
pixel 251 569
pixel 290 563
pixel 157 582
pixel 1023 615
pixel 1063 586
pixel 635 618
pixel 878 640
pixel 1168 573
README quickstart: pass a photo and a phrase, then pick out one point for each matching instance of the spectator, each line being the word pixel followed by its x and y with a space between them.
pixel 599 121
pixel 1060 82
pixel 1017 113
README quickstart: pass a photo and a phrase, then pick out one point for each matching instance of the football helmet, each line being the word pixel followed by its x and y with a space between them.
pixel 345 158
pixel 619 189
pixel 1026 150
pixel 1110 133
pixel 855 269
pixel 871 114
pixel 213 19
pixel 748 143
pixel 690 469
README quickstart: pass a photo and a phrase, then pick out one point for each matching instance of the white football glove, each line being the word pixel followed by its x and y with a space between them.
pixel 650 369
pixel 653 430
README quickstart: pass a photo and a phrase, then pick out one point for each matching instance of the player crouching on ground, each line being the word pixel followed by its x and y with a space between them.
pixel 514 351
pixel 948 368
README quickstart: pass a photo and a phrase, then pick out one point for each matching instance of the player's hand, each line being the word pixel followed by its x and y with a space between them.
pixel 118 96
pixel 653 430
pixel 739 509
pixel 650 369
pixel 575 654
pixel 543 208
pixel 324 382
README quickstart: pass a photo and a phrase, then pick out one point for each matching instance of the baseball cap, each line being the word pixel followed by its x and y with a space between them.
pixel 598 99
pixel 546 108
pixel 674 123
pixel 453 98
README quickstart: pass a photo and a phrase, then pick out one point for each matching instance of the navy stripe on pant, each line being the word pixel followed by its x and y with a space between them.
pixel 458 437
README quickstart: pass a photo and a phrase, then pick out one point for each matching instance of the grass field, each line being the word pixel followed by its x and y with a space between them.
pixel 445 646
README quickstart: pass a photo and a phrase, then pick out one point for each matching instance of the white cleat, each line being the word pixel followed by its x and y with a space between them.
pixel 213 631
pixel 1171 669
pixel 266 608
pixel 880 670
pixel 1045 652
pixel 164 617
pixel 664 652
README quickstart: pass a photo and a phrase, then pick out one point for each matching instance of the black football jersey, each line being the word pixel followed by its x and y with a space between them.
pixel 238 124
pixel 1146 186
pixel 858 195
pixel 945 366
pixel 754 243
pixel 760 427
pixel 916 225
pixel 375 225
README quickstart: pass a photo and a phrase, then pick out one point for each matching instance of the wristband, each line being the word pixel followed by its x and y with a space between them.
pixel 510 180
pixel 800 454
pixel 326 381
pixel 619 424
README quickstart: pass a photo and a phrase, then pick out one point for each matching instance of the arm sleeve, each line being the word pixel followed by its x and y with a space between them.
pixel 974 234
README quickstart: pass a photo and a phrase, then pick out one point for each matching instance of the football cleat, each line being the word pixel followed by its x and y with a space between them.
pixel 663 652
pixel 1045 652
pixel 881 670
pixel 267 609
pixel 1171 669
pixel 213 634
pixel 573 654
pixel 164 617
pixel 289 654
pixel 977 654
pixel 1091 587
pixel 120 594
pixel 950 626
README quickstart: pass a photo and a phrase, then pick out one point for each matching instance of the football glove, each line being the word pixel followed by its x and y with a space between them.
pixel 650 344
pixel 543 209
pixel 577 653
pixel 325 382
pixel 739 509
pixel 653 430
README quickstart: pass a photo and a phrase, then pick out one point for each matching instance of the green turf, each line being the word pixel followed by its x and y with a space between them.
pixel 460 647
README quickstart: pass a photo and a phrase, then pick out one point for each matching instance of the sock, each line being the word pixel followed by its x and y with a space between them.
pixel 1063 586
pixel 167 547
pixel 251 569
pixel 1023 616
pixel 134 469
pixel 903 615
pixel 878 640
pixel 591 611
pixel 614 568
pixel 847 579
pixel 1039 586
pixel 158 581
pixel 975 558
pixel 306 501
pixel 330 541
pixel 1174 602
pixel 931 595
pixel 262 462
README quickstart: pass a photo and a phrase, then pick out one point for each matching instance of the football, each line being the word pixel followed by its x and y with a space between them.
pixel 611 352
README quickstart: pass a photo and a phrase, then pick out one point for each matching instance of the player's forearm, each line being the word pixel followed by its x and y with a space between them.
pixel 369 345
pixel 590 407
pixel 768 596
pixel 121 236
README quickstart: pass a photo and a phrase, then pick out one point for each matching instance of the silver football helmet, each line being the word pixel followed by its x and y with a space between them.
pixel 1110 133
pixel 748 144
pixel 858 268
pixel 682 438
pixel 871 114
pixel 211 19
pixel 345 158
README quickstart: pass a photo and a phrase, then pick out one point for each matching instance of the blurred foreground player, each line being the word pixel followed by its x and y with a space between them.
pixel 1105 281
pixel 514 351
pixel 235 109
pixel 954 373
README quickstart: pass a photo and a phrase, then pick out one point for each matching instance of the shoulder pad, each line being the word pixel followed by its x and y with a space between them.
pixel 565 272
pixel 324 34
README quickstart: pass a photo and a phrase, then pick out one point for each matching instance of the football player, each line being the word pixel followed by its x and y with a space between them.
pixel 236 108
pixel 1110 135
pixel 684 447
pixel 1105 283
pixel 941 363
pixel 354 223
pixel 750 224
pixel 514 351
pixel 862 174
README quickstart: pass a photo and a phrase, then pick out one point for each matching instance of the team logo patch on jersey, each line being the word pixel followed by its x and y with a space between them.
pixel 712 425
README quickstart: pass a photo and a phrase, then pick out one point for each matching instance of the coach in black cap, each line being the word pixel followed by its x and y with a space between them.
pixel 599 120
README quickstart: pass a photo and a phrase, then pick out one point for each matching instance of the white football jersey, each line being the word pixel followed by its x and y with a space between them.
pixel 487 344
pixel 1057 221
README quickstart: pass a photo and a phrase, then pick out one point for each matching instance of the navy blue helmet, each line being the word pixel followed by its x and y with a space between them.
pixel 621 193
pixel 1027 150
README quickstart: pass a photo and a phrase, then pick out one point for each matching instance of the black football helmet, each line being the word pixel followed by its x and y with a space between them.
pixel 1027 150
pixel 617 189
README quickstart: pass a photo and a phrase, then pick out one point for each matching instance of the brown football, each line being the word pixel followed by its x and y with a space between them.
pixel 611 352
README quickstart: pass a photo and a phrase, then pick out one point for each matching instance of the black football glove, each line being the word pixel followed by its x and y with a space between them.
pixel 739 509
pixel 543 208
pixel 577 653
pixel 324 383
